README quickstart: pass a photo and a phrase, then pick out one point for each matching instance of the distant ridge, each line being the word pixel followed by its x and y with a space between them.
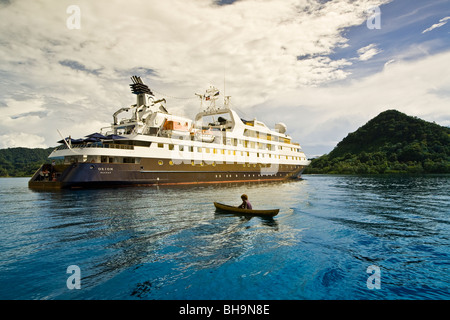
pixel 392 142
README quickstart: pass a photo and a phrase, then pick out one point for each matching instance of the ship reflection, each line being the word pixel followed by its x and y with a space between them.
pixel 163 235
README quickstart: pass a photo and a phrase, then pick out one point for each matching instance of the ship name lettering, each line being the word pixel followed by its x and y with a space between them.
pixel 105 169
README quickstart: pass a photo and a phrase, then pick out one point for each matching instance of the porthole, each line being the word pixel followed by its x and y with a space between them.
pixel 160 162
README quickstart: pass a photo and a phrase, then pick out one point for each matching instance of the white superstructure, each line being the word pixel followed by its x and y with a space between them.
pixel 151 140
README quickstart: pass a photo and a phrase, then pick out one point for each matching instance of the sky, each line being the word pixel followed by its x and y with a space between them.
pixel 324 68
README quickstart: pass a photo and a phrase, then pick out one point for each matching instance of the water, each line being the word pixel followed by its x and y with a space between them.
pixel 169 243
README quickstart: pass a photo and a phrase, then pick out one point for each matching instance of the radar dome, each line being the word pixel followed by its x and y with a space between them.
pixel 281 127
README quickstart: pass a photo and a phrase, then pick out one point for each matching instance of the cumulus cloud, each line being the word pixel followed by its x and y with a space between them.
pixel 417 88
pixel 21 139
pixel 53 77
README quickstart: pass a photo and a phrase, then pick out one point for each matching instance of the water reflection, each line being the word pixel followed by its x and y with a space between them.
pixel 118 229
pixel 166 233
pixel 169 243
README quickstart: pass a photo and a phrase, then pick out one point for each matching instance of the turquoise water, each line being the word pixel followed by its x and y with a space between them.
pixel 169 243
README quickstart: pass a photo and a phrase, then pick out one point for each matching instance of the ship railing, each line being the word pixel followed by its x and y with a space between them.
pixel 95 145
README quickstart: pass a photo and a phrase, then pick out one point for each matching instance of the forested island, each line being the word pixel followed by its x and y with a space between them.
pixel 392 142
pixel 22 162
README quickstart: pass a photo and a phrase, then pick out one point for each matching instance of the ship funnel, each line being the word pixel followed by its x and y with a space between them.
pixel 140 89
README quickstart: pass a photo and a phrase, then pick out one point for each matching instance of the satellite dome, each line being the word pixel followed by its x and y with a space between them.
pixel 281 127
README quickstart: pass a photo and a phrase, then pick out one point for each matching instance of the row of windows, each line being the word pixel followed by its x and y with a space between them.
pixel 254 165
pixel 223 151
pixel 255 175
pixel 100 159
pixel 233 142
pixel 265 136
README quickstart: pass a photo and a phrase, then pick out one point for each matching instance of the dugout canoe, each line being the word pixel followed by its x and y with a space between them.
pixel 231 209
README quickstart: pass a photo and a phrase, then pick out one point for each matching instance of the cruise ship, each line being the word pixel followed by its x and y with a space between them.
pixel 150 146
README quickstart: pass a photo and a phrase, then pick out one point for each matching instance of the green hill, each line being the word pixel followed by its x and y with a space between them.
pixel 22 162
pixel 392 142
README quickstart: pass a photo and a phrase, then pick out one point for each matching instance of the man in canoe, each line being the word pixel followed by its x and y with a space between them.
pixel 245 203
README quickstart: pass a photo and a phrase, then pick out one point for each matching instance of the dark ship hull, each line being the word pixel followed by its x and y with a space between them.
pixel 100 175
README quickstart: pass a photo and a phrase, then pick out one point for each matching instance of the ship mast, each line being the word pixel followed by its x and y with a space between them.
pixel 211 95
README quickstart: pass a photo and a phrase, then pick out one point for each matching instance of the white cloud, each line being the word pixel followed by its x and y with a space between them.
pixel 321 117
pixel 368 52
pixel 389 62
pixel 21 139
pixel 441 23
pixel 55 77
pixel 52 77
